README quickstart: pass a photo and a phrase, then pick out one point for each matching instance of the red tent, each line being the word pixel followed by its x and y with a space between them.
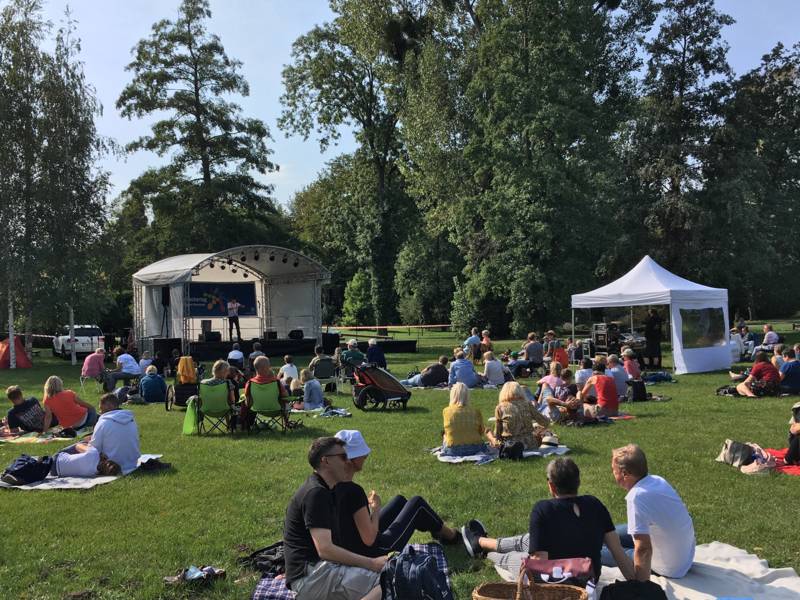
pixel 23 362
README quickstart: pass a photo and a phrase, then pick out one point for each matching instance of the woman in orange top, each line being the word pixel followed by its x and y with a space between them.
pixel 71 411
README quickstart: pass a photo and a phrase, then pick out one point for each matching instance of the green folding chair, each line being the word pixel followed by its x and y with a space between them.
pixel 267 407
pixel 214 409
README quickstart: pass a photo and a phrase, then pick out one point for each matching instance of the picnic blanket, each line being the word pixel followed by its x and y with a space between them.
pixel 52 435
pixel 781 466
pixel 269 588
pixel 74 483
pixel 482 459
pixel 719 571
pixel 622 417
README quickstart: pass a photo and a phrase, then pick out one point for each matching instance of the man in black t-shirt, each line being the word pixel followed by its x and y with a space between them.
pixel 566 526
pixel 316 568
pixel 25 414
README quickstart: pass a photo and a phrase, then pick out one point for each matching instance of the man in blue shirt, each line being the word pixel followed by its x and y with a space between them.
pixel 790 372
pixel 461 370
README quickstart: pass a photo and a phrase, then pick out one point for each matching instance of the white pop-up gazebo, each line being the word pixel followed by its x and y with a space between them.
pixel 699 314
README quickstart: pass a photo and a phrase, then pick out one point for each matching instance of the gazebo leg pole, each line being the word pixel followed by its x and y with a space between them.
pixel 631 321
pixel 573 334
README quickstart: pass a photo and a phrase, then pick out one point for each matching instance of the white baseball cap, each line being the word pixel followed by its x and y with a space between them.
pixel 354 444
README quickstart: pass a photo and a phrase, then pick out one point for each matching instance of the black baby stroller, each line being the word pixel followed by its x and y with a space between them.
pixel 377 388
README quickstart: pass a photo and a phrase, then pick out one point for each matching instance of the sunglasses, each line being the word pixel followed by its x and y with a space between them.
pixel 343 454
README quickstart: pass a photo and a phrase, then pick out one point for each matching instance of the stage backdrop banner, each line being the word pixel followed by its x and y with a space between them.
pixel 211 299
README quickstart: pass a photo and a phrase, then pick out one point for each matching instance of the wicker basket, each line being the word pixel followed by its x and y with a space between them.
pixel 531 591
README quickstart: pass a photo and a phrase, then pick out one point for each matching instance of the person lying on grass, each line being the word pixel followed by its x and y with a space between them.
pixel 24 415
pixel 116 435
pixel 659 535
pixel 318 567
pixel 370 529
pixel 567 525
pixel 431 376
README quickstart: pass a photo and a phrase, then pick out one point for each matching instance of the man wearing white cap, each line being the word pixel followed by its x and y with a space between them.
pixel 352 355
pixel 371 530
pixel 317 567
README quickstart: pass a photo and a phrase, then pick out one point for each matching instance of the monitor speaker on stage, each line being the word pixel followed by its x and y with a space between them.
pixel 211 336
pixel 296 334
pixel 205 325
pixel 271 335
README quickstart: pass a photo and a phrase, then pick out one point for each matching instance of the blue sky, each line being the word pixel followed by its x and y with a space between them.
pixel 260 34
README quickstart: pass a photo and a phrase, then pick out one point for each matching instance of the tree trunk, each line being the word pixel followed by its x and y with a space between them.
pixel 382 262
pixel 72 335
pixel 12 352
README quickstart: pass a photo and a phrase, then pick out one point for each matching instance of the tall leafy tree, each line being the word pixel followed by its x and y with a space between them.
pixel 340 75
pixel 211 194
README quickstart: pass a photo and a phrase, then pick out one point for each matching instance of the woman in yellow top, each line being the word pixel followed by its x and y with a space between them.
pixel 515 419
pixel 463 425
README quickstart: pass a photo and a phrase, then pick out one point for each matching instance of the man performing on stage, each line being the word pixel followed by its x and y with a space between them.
pixel 233 318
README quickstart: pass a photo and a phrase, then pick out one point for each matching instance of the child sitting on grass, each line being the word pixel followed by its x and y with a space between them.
pixel 24 415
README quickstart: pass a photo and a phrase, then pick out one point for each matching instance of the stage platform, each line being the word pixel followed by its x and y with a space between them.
pixel 206 351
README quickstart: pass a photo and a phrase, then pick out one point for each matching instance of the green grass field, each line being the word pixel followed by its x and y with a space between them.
pixel 226 492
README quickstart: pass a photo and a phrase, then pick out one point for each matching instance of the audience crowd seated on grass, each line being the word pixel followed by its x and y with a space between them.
pixel 793 452
pixel 93 364
pixel 69 410
pixel 631 364
pixel 126 369
pixel 770 339
pixel 25 414
pixel 618 373
pixel 375 355
pixel 145 361
pixel 563 405
pixel 316 566
pixel 236 356
pixel 516 419
pixel 605 401
pixel 532 356
pixel 659 535
pixel 152 387
pixel 288 368
pixel 790 372
pixel 431 376
pixel 368 528
pixel 161 363
pixel 313 397
pixel 264 375
pixel 462 370
pixel 463 425
pixel 115 435
pixel 352 356
pixel 763 379
pixel 494 373
pixel 567 525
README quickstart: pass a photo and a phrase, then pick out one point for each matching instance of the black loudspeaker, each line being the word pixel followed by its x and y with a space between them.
pixel 271 335
pixel 164 295
pixel 166 346
pixel 211 336
pixel 296 334
pixel 205 325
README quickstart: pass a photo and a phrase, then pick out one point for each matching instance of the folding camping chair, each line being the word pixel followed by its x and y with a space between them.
pixel 267 407
pixel 98 385
pixel 214 409
pixel 325 371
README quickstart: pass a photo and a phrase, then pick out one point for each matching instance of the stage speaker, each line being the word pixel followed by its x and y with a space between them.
pixel 296 334
pixel 205 325
pixel 164 295
pixel 212 336
pixel 271 335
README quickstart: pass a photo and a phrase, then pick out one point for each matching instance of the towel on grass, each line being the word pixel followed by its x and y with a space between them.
pixel 724 571
pixel 782 467
pixel 52 435
pixel 269 588
pixel 482 459
pixel 74 483
pixel 622 417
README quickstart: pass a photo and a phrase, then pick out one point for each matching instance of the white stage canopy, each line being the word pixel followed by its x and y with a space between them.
pixel 284 288
pixel 699 314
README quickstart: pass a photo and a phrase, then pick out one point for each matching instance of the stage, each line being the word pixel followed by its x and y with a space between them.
pixel 210 351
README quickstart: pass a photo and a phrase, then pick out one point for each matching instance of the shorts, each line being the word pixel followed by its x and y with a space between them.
pixel 335 582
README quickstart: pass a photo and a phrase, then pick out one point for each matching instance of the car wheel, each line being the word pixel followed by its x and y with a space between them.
pixel 64 354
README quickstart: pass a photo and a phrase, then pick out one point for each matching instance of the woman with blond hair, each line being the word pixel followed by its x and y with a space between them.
pixel 71 411
pixel 514 419
pixel 463 425
pixel 220 377
pixel 312 391
pixel 493 373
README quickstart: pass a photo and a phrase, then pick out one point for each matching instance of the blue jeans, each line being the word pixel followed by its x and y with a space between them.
pixel 463 450
pixel 415 381
pixel 627 545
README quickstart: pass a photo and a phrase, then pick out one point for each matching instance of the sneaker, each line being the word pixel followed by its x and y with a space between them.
pixel 470 533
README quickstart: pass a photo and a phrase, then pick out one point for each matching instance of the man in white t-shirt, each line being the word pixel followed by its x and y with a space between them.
pixel 236 357
pixel 659 534
pixel 233 318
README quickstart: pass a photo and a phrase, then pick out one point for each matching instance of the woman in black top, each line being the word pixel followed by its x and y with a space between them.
pixel 369 529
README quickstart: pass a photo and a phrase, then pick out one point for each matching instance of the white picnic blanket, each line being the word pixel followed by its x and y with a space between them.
pixel 483 458
pixel 74 483
pixel 719 571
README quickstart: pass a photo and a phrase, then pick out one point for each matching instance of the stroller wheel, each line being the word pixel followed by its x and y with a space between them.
pixel 169 399
pixel 370 398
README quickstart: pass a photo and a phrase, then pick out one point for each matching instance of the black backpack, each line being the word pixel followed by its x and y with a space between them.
pixel 637 392
pixel 633 590
pixel 27 469
pixel 413 576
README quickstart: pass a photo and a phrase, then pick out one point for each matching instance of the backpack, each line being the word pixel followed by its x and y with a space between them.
pixel 413 576
pixel 27 469
pixel 637 392
pixel 633 590
pixel 735 454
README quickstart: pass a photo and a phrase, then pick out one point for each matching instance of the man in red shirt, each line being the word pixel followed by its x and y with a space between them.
pixel 763 380
pixel 263 375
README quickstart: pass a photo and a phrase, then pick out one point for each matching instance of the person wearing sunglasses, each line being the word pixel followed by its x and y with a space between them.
pixel 316 566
